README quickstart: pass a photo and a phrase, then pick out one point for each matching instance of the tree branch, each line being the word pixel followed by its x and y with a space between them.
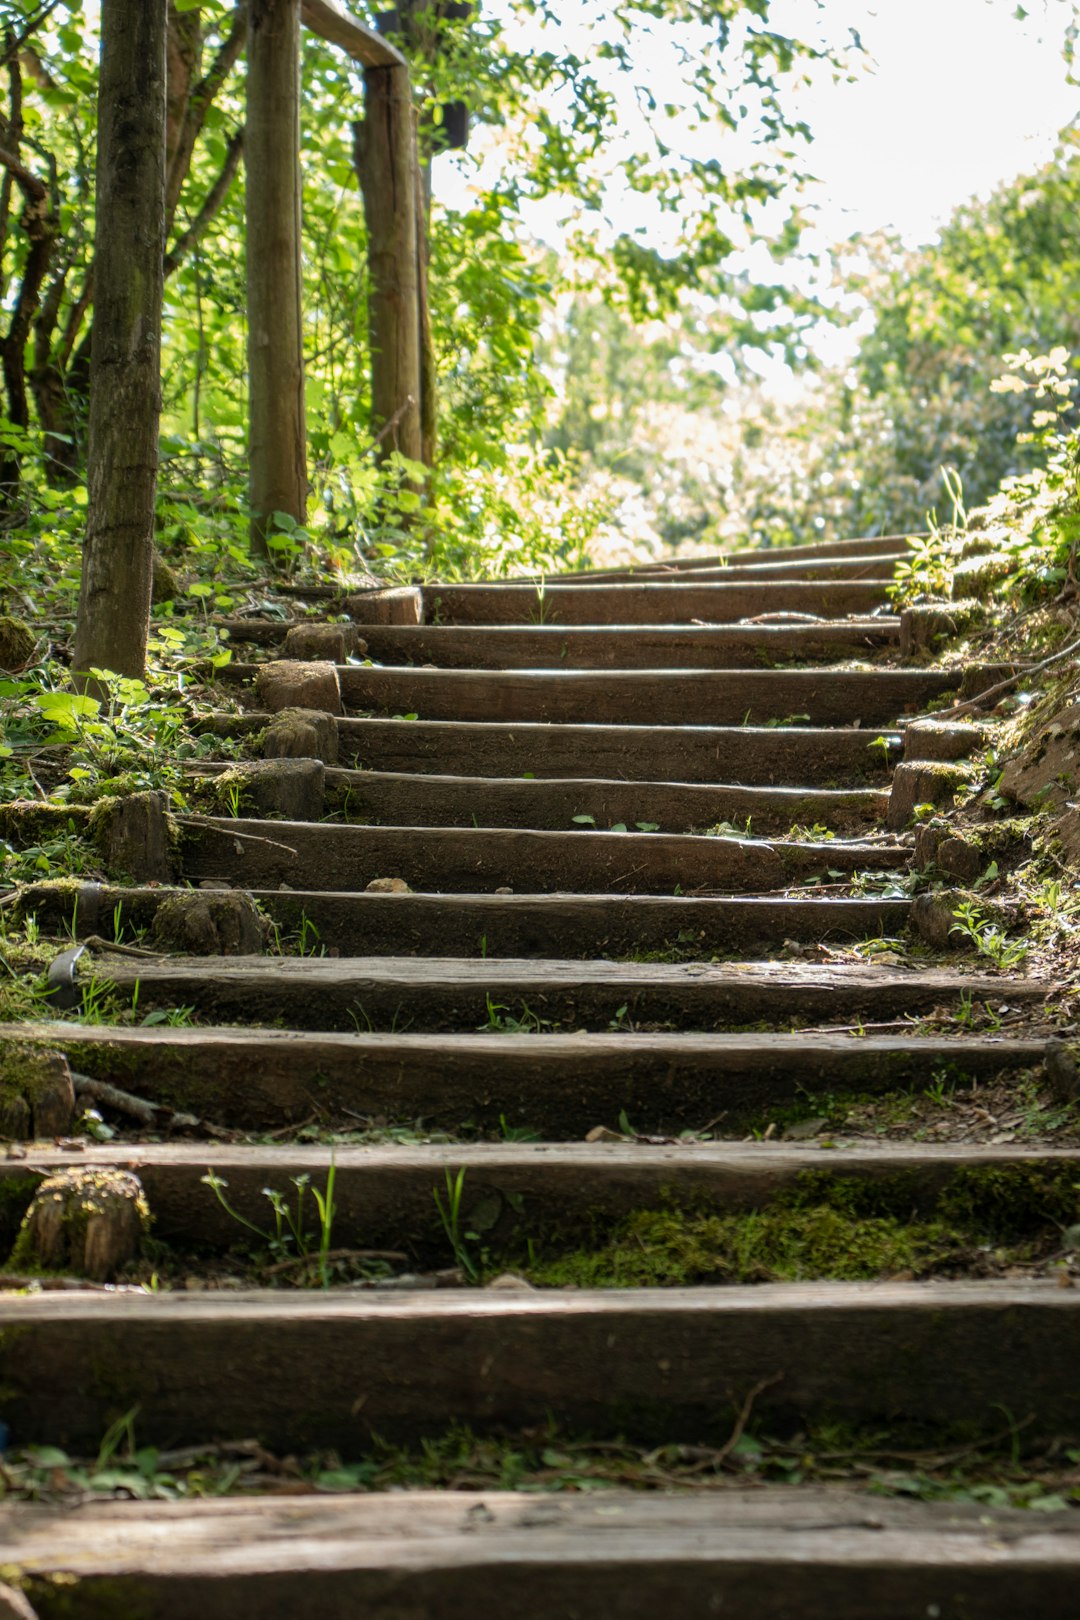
pixel 199 103
pixel 211 204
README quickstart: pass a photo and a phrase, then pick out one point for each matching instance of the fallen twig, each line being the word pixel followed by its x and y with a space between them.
pixel 1006 685
pixel 233 832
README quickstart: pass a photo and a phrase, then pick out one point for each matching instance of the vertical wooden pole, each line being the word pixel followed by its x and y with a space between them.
pixel 386 163
pixel 277 436
pixel 125 361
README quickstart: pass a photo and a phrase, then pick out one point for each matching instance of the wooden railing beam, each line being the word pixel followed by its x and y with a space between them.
pixel 334 24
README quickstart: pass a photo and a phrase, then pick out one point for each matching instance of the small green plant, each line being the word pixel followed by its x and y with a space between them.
pixel 451 1216
pixel 988 939
pixel 501 1021
pixel 290 1237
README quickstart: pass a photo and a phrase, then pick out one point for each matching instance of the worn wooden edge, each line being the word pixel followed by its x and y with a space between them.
pixel 561 1085
pixel 383 1196
pixel 331 1368
pixel 440 993
pixel 657 697
pixel 662 646
pixel 551 803
pixel 866 546
pixel 766 1554
pixel 330 855
pixel 646 602
pixel 330 20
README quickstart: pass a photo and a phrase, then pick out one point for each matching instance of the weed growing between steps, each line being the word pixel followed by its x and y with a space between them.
pixel 993 1470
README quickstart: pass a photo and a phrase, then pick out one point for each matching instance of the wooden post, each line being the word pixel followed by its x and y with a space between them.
pixel 277 435
pixel 385 155
pixel 125 362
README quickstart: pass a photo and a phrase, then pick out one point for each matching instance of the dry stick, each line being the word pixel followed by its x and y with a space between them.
pixel 231 832
pixel 1004 686
pixel 297 1260
pixel 150 1114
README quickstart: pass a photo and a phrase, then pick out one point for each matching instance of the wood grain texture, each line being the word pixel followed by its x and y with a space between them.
pixel 383 1195
pixel 548 646
pixel 782 755
pixel 331 1369
pixel 762 1554
pixel 441 993
pixel 401 800
pixel 645 602
pixel 471 859
pixel 822 697
pixel 561 1085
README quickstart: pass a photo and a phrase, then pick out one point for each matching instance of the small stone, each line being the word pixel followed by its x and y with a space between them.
pixel 504 890
pixel 601 1133
pixel 388 886
pixel 508 1282
pixel 289 684
pixel 302 734
pixel 801 1130
pixel 90 1222
pixel 932 918
pixel 218 923
pixel 216 883
pixel 37 1093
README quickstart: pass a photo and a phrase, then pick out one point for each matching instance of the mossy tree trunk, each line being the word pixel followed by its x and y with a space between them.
pixel 125 364
pixel 386 162
pixel 276 434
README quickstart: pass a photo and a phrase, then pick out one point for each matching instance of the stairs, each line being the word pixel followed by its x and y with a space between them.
pixel 625 829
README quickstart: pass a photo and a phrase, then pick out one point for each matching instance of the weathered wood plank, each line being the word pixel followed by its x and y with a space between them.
pixel 499 924
pixel 548 646
pixel 561 1085
pixel 332 22
pixel 331 1369
pixel 401 800
pixel 443 993
pixel 329 856
pixel 823 697
pixel 383 1195
pixel 762 1554
pixel 645 603
pixel 749 755
pixel 882 545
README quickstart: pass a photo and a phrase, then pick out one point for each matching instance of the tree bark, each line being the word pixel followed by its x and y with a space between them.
pixel 277 433
pixel 385 156
pixel 125 363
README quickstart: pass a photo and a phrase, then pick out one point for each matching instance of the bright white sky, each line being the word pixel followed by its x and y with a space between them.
pixel 958 95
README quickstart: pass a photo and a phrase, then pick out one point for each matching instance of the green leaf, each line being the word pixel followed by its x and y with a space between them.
pixel 584 821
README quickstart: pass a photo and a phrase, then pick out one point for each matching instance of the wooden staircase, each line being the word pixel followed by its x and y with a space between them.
pixel 612 820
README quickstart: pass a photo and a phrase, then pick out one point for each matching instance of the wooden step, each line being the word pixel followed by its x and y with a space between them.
pixel 495 924
pixel 750 755
pixel 662 602
pixel 400 800
pixel 311 855
pixel 757 1554
pixel 549 646
pixel 823 697
pixel 388 992
pixel 777 565
pixel 561 1085
pixel 887 545
pixel 330 1369
pixel 556 1196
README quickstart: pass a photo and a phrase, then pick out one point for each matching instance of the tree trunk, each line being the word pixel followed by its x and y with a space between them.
pixel 385 155
pixel 277 434
pixel 125 362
